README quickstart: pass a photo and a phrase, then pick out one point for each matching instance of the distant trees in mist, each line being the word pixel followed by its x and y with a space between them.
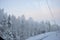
pixel 12 28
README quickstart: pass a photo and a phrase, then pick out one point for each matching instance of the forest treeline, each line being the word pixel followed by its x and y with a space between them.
pixel 12 28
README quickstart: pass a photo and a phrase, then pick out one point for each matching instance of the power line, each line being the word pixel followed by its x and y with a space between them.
pixel 51 12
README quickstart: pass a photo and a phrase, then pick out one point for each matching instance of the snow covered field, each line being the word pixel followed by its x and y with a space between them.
pixel 47 36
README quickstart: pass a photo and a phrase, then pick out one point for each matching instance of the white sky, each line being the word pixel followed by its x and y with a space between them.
pixel 37 9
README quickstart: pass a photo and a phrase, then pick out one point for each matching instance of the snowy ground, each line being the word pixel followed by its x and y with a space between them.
pixel 47 36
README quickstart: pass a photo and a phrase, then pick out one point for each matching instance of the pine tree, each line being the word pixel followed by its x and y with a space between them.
pixel 8 32
pixel 4 22
pixel 22 28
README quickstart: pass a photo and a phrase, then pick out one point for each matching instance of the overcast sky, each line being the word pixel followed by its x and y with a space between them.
pixel 37 9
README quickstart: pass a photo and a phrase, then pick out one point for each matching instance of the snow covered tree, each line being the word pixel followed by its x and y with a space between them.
pixel 22 37
pixel 9 21
pixel 8 33
pixel 1 14
pixel 48 26
pixel 3 22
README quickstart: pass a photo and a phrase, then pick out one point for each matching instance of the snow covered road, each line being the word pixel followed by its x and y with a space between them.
pixel 47 36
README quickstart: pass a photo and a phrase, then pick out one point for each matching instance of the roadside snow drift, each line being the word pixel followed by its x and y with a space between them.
pixel 47 36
